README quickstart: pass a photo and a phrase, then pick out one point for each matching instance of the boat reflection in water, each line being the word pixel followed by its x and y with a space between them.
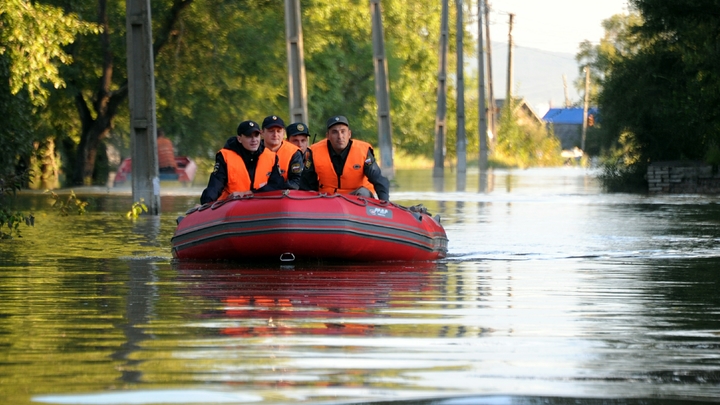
pixel 321 300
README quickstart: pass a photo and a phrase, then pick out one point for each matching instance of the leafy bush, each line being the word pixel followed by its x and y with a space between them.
pixel 523 145
pixel 68 205
pixel 621 168
pixel 10 220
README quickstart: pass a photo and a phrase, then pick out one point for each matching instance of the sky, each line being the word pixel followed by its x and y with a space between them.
pixel 552 25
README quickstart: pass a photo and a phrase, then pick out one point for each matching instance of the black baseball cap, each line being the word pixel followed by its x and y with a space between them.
pixel 248 128
pixel 273 121
pixel 338 119
pixel 297 128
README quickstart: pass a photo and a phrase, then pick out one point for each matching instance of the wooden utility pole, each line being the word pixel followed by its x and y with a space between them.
pixel 482 110
pixel 141 98
pixel 567 96
pixel 508 97
pixel 297 85
pixel 491 95
pixel 585 107
pixel 461 138
pixel 440 127
pixel 382 91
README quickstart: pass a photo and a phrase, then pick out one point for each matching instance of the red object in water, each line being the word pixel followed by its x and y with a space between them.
pixel 335 300
pixel 184 173
pixel 304 225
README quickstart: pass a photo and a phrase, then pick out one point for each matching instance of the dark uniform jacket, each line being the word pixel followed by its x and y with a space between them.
pixel 309 179
pixel 219 177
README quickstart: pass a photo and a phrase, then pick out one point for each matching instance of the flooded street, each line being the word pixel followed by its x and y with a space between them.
pixel 553 292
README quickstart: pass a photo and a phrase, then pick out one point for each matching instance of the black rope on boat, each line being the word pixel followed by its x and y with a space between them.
pixel 360 201
pixel 203 207
pixel 382 203
pixel 311 197
pixel 219 203
pixel 284 194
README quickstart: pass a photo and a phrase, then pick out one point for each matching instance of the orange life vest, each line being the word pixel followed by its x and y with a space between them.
pixel 238 176
pixel 353 176
pixel 166 153
pixel 285 154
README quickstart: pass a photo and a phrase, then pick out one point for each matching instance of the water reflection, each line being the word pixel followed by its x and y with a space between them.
pixel 554 292
pixel 461 181
pixel 340 300
pixel 486 181
pixel 438 184
pixel 139 309
pixel 147 229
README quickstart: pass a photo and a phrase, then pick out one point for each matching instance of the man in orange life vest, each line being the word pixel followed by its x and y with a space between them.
pixel 289 155
pixel 298 134
pixel 243 165
pixel 347 166
pixel 166 153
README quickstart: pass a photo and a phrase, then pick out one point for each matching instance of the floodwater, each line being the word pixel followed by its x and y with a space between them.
pixel 553 293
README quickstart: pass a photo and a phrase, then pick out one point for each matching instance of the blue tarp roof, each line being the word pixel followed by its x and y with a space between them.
pixel 568 115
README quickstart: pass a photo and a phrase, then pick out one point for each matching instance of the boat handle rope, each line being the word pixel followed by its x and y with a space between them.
pixel 365 202
pixel 286 194
pixel 417 210
pixel 199 208
pixel 220 203
pixel 287 257
pixel 360 201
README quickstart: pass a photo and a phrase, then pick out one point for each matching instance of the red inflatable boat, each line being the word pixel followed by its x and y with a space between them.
pixel 184 173
pixel 301 225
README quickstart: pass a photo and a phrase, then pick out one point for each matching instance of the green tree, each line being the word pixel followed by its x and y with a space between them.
pixel 15 133
pixel 690 33
pixel 33 35
pixel 219 62
pixel 244 75
pixel 620 40
pixel 522 144
pixel 224 63
pixel 98 79
pixel 32 40
pixel 658 98
pixel 341 75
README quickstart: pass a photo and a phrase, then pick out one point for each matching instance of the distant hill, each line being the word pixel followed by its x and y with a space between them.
pixel 537 75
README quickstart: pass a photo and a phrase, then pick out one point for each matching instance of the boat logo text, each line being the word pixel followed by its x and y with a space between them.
pixel 379 212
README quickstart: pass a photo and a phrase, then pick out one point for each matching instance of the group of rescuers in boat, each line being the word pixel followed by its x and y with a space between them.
pixel 338 164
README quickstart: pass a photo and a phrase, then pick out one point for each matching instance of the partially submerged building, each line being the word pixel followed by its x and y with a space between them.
pixel 567 124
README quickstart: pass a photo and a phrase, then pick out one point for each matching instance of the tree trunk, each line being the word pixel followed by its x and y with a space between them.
pixel 105 102
pixel 45 173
